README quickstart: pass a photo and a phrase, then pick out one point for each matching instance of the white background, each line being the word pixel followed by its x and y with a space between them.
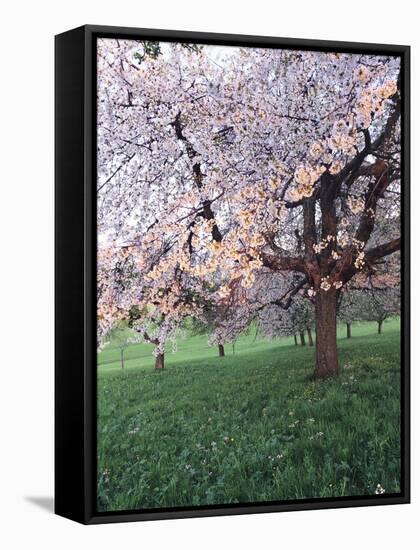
pixel 26 272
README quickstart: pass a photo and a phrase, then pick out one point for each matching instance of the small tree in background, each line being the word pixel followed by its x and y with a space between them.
pixel 302 313
pixel 207 324
pixel 351 308
pixel 276 321
pixel 381 304
pixel 120 337
pixel 152 328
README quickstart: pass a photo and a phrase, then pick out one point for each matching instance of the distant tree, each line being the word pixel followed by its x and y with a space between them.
pixel 120 338
pixel 381 304
pixel 298 319
pixel 303 315
pixel 351 308
pixel 211 318
pixel 153 328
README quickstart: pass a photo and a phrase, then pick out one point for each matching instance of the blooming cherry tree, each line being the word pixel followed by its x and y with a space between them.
pixel 217 165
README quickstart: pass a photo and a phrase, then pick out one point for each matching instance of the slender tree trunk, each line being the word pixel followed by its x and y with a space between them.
pixel 311 341
pixel 380 327
pixel 348 330
pixel 221 350
pixel 296 341
pixel 326 334
pixel 160 361
pixel 122 358
pixel 302 339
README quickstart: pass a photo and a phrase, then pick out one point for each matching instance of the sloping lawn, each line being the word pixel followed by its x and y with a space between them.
pixel 248 427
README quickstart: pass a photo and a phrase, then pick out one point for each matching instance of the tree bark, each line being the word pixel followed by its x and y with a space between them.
pixel 348 330
pixel 160 361
pixel 122 358
pixel 326 334
pixel 302 339
pixel 311 341
pixel 296 340
pixel 221 350
pixel 380 327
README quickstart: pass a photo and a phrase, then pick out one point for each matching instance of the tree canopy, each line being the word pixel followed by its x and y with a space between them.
pixel 245 178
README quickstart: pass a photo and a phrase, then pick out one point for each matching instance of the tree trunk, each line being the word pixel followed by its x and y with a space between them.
pixel 122 358
pixel 221 350
pixel 311 342
pixel 326 333
pixel 302 339
pixel 380 327
pixel 160 361
pixel 296 341
pixel 348 330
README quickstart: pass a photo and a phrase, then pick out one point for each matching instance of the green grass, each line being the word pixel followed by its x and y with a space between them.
pixel 248 427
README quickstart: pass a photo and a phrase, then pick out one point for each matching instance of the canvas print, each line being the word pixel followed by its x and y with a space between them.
pixel 248 275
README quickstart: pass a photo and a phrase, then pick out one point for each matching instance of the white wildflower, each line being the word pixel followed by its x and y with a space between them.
pixel 379 490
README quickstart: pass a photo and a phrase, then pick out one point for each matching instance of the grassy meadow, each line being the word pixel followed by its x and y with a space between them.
pixel 251 426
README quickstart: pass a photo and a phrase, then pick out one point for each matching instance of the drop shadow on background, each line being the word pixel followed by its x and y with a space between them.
pixel 46 503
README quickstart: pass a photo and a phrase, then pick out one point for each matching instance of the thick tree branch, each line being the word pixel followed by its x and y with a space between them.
pixel 310 239
pixel 149 339
pixel 347 269
pixel 353 166
pixel 383 250
pixel 281 302
pixel 283 263
pixel 198 176
pixel 375 191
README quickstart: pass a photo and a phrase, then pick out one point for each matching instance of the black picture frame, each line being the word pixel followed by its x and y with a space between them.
pixel 75 270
